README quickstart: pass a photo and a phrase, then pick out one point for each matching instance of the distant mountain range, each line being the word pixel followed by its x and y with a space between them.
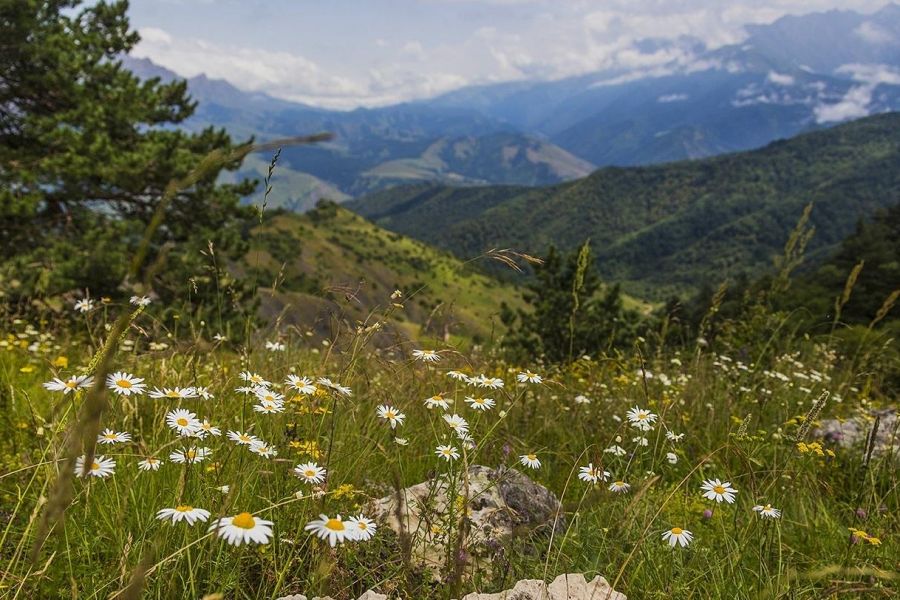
pixel 670 228
pixel 797 74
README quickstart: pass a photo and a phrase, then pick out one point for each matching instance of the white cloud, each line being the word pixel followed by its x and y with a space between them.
pixel 780 78
pixel 672 98
pixel 289 76
pixel 853 105
pixel 396 50
pixel 872 74
pixel 874 34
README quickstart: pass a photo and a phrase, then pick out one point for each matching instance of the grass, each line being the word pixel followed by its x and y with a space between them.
pixel 739 422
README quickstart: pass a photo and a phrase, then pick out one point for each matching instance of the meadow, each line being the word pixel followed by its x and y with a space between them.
pixel 634 443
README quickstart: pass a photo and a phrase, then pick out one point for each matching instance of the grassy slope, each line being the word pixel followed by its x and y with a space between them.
pixel 321 257
pixel 667 228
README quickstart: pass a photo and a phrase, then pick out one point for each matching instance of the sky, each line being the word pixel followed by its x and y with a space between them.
pixel 348 53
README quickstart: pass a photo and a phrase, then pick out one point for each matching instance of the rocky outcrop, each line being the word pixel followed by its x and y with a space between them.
pixel 850 433
pixel 572 586
pixel 500 503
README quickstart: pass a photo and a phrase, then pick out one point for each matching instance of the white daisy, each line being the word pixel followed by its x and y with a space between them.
pixel 176 393
pixel 184 422
pixel 100 467
pixel 84 305
pixel 275 347
pixel 263 449
pixel 343 390
pixel 457 423
pixel 615 450
pixel 191 455
pixel 672 458
pixel 426 355
pixel 529 377
pixel 678 536
pixel 494 383
pixel 310 472
pixel 641 418
pixel 362 528
pixel 334 530
pixel 483 404
pixel 204 393
pixel 716 490
pixel 267 395
pixel 269 408
pixel 125 384
pixel 206 428
pixel 243 529
pixel 390 414
pixel 458 375
pixel 767 512
pixel 183 512
pixel 437 400
pixel 140 300
pixel 674 437
pixel 619 486
pixel 530 460
pixel 254 379
pixel 108 436
pixel 150 464
pixel 302 385
pixel 592 474
pixel 69 385
pixel 243 439
pixel 448 453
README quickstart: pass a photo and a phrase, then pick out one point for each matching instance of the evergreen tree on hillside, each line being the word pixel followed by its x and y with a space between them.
pixel 86 152
pixel 571 314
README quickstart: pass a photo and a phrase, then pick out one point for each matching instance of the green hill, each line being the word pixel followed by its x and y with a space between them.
pixel 331 263
pixel 668 228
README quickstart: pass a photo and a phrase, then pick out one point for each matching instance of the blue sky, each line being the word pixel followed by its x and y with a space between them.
pixel 348 53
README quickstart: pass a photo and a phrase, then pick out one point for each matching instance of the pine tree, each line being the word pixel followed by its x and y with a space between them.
pixel 86 152
pixel 570 314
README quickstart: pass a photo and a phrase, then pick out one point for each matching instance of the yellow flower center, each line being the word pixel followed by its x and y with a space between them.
pixel 191 454
pixel 184 508
pixel 641 416
pixel 182 421
pixel 173 394
pixel 110 436
pixel 719 489
pixel 71 384
pixel 362 526
pixel 335 525
pixel 95 467
pixel 620 483
pixel 123 383
pixel 245 438
pixel 676 531
pixel 532 457
pixel 244 520
pixel 309 473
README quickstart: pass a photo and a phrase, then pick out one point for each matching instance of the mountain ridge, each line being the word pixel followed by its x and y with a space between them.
pixel 667 228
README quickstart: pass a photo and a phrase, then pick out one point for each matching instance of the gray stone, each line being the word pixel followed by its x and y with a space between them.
pixel 571 586
pixel 850 433
pixel 501 503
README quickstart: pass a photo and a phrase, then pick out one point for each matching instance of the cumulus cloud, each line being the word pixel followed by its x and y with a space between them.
pixel 857 101
pixel 398 50
pixel 780 78
pixel 853 105
pixel 289 76
pixel 874 34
